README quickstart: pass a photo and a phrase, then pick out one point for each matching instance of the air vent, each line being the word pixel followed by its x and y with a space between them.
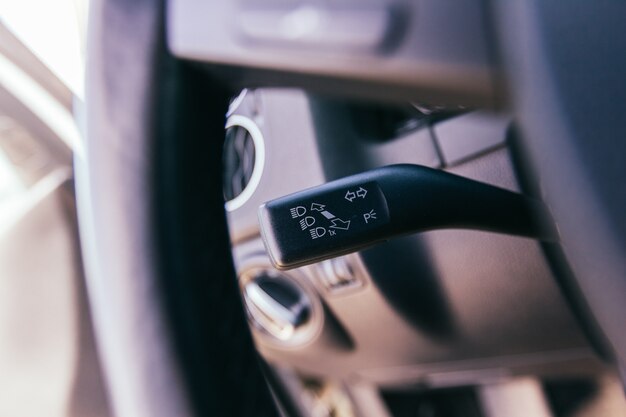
pixel 239 155
pixel 243 160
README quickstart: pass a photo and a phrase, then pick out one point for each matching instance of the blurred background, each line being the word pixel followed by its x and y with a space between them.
pixel 48 361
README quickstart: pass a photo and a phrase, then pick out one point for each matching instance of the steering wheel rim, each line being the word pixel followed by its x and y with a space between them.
pixel 566 90
pixel 153 228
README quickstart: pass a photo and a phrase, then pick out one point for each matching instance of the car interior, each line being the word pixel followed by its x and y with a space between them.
pixel 318 208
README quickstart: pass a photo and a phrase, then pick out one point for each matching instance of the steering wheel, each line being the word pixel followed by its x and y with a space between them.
pixel 167 309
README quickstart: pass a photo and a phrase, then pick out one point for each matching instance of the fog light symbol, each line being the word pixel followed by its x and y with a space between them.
pixel 308 221
pixel 297 211
pixel 317 232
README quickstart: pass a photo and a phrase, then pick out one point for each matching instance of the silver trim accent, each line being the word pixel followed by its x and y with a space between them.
pixel 234 105
pixel 302 334
pixel 259 159
pixel 277 320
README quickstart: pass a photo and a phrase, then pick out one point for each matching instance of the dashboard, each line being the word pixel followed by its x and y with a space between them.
pixel 226 107
pixel 441 309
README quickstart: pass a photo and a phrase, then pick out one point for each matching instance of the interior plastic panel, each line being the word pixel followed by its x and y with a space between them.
pixel 438 302
pixel 436 48
pixel 467 136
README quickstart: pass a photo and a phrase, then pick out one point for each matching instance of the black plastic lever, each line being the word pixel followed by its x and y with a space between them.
pixel 351 213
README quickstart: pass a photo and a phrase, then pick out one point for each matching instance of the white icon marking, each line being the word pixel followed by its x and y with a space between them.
pixel 340 224
pixel 317 232
pixel 317 207
pixel 351 195
pixel 328 215
pixel 297 211
pixel 308 221
pixel 332 232
pixel 369 216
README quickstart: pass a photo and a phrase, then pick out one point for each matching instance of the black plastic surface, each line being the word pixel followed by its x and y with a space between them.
pixel 331 219
pixel 353 212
